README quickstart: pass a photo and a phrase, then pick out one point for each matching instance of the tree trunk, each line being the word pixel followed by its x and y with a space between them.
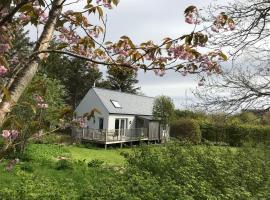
pixel 26 75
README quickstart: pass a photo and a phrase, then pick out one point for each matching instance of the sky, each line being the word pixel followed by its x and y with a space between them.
pixel 144 20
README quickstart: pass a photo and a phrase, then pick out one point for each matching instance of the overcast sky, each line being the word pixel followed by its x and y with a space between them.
pixel 145 20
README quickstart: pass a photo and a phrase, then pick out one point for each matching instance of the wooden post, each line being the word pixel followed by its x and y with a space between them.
pixel 105 146
pixel 105 136
pixel 82 133
pixel 121 145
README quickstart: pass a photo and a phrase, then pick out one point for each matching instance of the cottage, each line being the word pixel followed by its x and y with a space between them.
pixel 122 117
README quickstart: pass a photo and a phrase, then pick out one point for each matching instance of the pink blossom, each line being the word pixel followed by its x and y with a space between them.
pixel 200 83
pixel 13 134
pixel 3 70
pixel 6 134
pixel 24 18
pixel 215 29
pixel 231 26
pixel 39 98
pixel 189 19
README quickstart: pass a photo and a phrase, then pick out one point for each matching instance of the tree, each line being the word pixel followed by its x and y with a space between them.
pixel 163 109
pixel 81 39
pixel 40 109
pixel 122 79
pixel 75 74
pixel 78 39
pixel 251 28
pixel 238 89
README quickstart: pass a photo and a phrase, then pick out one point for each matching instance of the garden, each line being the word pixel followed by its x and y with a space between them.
pixel 176 170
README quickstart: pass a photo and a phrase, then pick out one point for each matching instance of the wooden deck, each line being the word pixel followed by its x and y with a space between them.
pixel 114 136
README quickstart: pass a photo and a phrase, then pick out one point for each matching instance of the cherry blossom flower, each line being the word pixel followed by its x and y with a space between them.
pixel 39 98
pixel 215 28
pixel 24 18
pixel 3 70
pixel 10 134
pixel 231 26
pixel 201 83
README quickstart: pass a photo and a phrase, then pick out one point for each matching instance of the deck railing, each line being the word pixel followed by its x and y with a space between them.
pixel 116 135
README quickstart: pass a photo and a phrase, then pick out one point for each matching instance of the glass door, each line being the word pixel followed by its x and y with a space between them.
pixel 120 126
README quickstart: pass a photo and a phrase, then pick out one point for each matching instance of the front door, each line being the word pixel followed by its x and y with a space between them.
pixel 120 126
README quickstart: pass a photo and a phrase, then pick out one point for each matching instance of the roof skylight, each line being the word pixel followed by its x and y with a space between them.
pixel 116 104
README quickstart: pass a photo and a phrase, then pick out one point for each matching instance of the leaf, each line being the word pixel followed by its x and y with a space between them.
pixel 224 56
pixel 115 2
pixel 62 46
pixel 27 8
pixel 168 45
pixel 188 39
pixel 100 12
pixel 6 93
pixel 3 61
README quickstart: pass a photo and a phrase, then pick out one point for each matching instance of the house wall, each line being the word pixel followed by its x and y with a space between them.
pixel 131 121
pixel 89 102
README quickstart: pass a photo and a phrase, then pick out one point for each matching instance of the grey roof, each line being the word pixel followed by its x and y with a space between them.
pixel 130 103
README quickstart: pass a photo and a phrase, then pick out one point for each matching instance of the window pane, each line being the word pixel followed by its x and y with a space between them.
pixel 116 104
pixel 116 125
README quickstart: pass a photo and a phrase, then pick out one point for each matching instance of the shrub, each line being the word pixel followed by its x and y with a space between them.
pixel 63 164
pixel 186 129
pixel 236 135
pixel 95 163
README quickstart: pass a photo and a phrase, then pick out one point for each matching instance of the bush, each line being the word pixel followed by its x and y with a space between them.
pixel 63 164
pixel 95 163
pixel 200 172
pixel 236 135
pixel 186 129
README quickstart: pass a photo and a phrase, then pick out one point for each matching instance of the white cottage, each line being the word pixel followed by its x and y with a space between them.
pixel 123 117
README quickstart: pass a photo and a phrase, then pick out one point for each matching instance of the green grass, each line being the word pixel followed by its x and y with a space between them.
pixel 49 152
pixel 174 169
pixel 109 156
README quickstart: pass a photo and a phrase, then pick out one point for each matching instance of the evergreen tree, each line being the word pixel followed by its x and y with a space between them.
pixel 122 79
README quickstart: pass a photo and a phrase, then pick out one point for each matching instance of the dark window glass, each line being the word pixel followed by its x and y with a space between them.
pixel 116 126
pixel 101 123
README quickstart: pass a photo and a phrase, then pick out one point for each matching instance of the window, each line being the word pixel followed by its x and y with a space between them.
pixel 116 104
pixel 101 123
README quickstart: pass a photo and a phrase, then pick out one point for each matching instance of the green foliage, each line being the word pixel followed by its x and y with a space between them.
pixel 32 120
pixel 186 129
pixel 121 78
pixel 197 115
pixel 63 164
pixel 55 138
pixel 163 109
pixel 168 172
pixel 236 135
pixel 194 172
pixel 95 163
pixel 74 74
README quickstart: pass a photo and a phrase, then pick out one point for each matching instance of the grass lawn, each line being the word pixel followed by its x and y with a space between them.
pixel 109 156
pixel 43 152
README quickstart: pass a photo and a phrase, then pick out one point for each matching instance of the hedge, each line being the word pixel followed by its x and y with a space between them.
pixel 186 129
pixel 236 135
